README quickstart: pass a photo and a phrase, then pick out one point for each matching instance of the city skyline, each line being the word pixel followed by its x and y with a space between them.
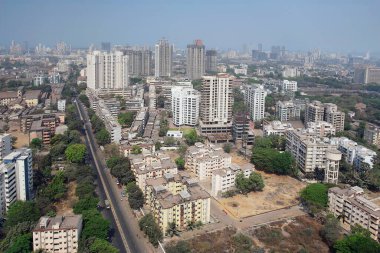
pixel 339 26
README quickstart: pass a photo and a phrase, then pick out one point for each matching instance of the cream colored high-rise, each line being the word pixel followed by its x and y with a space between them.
pixel 163 59
pixel 195 68
pixel 107 70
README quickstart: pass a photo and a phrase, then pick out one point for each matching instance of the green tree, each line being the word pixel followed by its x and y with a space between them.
pixel 157 145
pixel 76 153
pixel 36 143
pixel 197 84
pixel 126 119
pixel 57 150
pixel 21 211
pixel 151 229
pixel 180 163
pixel 242 243
pixel 331 230
pixel 314 196
pixel 191 137
pixel 101 246
pixel 135 198
pixel 95 225
pixel 253 183
pixel 84 99
pixel 103 137
pixel 14 232
pixel 136 149
pixel 21 244
pixel 227 147
pixel 357 243
pixel 172 229
pixel 179 247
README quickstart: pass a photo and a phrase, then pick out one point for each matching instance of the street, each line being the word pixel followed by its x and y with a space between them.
pixel 126 224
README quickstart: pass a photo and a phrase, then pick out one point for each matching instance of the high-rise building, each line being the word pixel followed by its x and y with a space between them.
pixel 372 135
pixel 107 70
pixel 8 188
pixel 211 61
pixel 106 46
pixel 5 145
pixel 314 112
pixel 288 110
pixel 185 106
pixel 58 234
pixel 139 62
pixel 163 59
pixel 317 111
pixel 195 60
pixel 216 104
pixel 254 98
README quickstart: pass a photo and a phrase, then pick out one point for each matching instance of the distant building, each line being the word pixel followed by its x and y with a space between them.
pixel 195 67
pixel 277 128
pixel 39 80
pixel 139 62
pixel 61 105
pixel 32 97
pixel 372 135
pixel 7 97
pixel 288 110
pixel 105 46
pixel 185 106
pixel 290 72
pixel 211 61
pixel 163 59
pixel 254 98
pixel 58 234
pixel 258 55
pixel 367 75
pixel 287 85
pixel 353 208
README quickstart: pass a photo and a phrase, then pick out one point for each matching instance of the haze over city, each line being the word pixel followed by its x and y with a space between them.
pixel 346 26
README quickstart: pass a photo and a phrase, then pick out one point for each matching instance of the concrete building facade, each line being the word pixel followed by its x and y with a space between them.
pixel 195 67
pixel 163 59
pixel 185 106
pixel 254 98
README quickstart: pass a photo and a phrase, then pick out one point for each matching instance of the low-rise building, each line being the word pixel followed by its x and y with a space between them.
pixel 372 135
pixel 223 180
pixel 174 134
pixel 288 110
pixel 58 234
pixel 106 113
pixel 177 199
pixel 151 166
pixel 6 97
pixel 287 85
pixel 61 105
pixel 32 97
pixel 354 208
pixel 203 159
pixel 277 128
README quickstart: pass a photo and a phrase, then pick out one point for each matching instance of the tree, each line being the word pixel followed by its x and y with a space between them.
pixel 58 150
pixel 14 232
pixel 95 225
pixel 314 196
pixel 100 246
pixel 242 243
pixel 160 101
pixel 84 99
pixel 21 211
pixel 179 247
pixel 180 163
pixel 135 198
pixel 331 230
pixel 22 243
pixel 136 149
pixel 227 147
pixel 157 145
pixel 126 119
pixel 76 153
pixel 151 229
pixel 103 137
pixel 357 242
pixel 253 183
pixel 172 229
pixel 191 137
pixel 36 143
pixel 197 84
pixel 111 150
pixel 96 123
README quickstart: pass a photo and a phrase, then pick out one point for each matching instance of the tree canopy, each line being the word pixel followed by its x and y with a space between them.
pixel 315 196
pixel 253 183
pixel 151 229
pixel 22 211
pixel 76 153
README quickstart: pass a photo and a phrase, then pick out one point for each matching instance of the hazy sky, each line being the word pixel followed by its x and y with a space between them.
pixel 335 25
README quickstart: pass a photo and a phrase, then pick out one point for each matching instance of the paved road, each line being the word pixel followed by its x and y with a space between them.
pixel 126 224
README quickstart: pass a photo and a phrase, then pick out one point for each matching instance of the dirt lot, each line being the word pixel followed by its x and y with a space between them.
pixel 14 130
pixel 291 236
pixel 65 206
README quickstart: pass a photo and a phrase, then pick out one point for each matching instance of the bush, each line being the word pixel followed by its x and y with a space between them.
pixel 314 196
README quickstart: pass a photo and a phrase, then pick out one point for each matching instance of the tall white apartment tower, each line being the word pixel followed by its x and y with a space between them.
pixel 107 70
pixel 163 59
pixel 185 106
pixel 255 100
pixel 195 60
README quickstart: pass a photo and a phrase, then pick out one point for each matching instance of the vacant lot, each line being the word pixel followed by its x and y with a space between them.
pixel 65 206
pixel 291 236
pixel 279 192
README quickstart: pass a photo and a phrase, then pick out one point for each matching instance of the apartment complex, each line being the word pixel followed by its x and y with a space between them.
pixel 277 128
pixel 177 199
pixel 223 180
pixel 254 98
pixel 287 110
pixel 139 62
pixel 151 166
pixel 317 111
pixel 312 152
pixel 5 145
pixel 163 59
pixel 7 97
pixel 216 104
pixel 203 159
pixel 195 67
pixel 58 234
pixel 107 70
pixel 355 209
pixel 242 129
pixel 107 114
pixel 321 128
pixel 287 85
pixel 211 61
pixel 372 135
pixel 185 106
pixel 359 156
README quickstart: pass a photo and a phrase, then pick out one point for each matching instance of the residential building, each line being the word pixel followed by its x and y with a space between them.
pixel 105 112
pixel 107 70
pixel 22 158
pixel 7 97
pixel 5 145
pixel 174 134
pixel 151 166
pixel 367 75
pixel 254 98
pixel 223 180
pixel 317 111
pixel 312 152
pixel 195 67
pixel 372 135
pixel 242 129
pixel 58 234
pixel 105 46
pixel 359 156
pixel 203 159
pixel 152 97
pixel 39 80
pixel 216 104
pixel 287 85
pixel 139 62
pixel 185 106
pixel 277 128
pixel 314 112
pixel 163 59
pixel 290 72
pixel 8 187
pixel 354 208
pixel 61 105
pixel 321 128
pixel 32 97
pixel 287 111
pixel 177 199
pixel 211 61
pixel 139 124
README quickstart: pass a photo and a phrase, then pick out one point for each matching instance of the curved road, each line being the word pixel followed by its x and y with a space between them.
pixel 126 223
